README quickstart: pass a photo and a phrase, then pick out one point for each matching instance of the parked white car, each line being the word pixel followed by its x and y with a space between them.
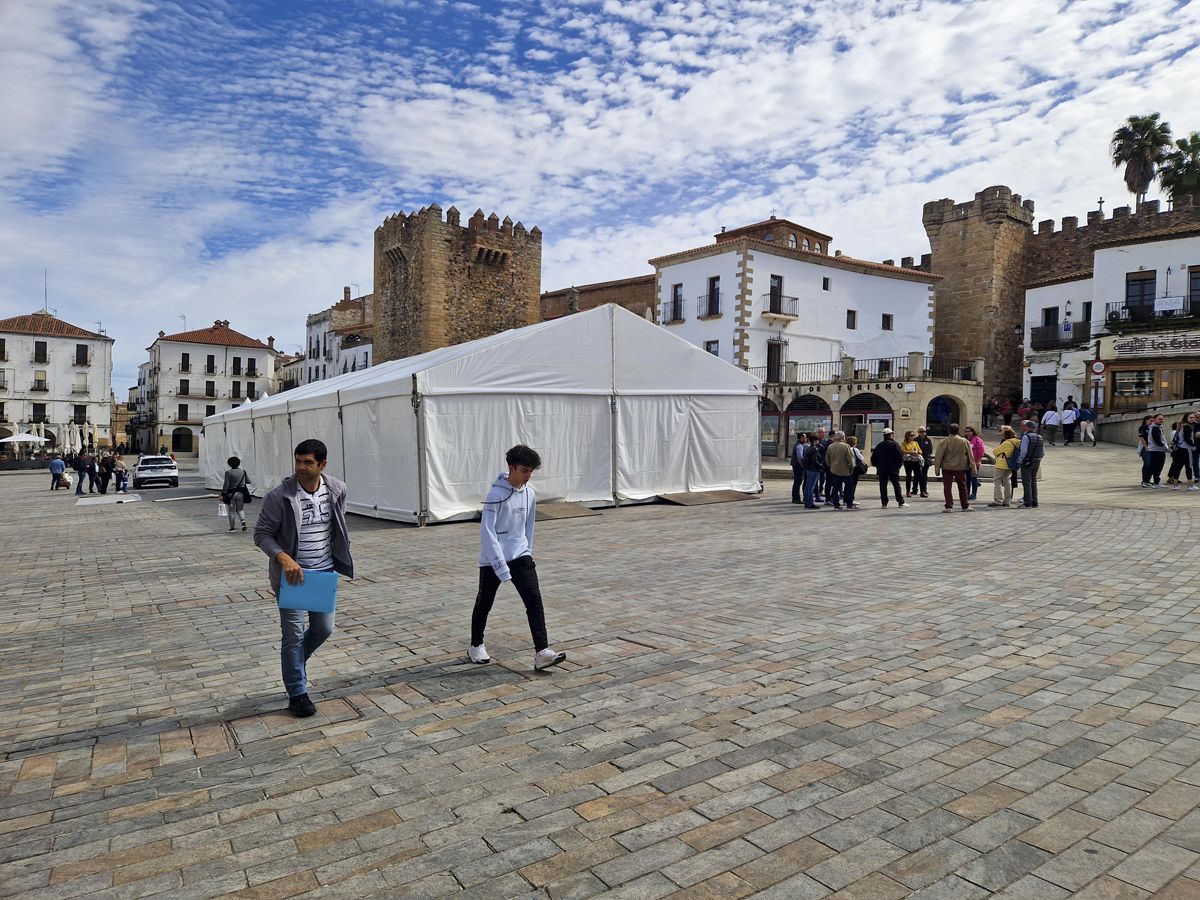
pixel 155 470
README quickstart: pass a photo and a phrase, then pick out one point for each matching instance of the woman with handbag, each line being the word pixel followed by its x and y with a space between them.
pixel 234 491
pixel 913 461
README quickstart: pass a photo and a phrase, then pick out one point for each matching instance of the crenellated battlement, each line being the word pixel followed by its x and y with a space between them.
pixel 440 281
pixel 992 204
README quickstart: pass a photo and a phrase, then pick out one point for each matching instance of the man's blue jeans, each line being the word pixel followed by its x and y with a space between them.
pixel 837 489
pixel 298 644
pixel 810 486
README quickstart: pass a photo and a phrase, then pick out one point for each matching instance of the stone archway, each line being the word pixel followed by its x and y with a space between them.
pixel 181 440
pixel 862 409
pixel 51 439
pixel 807 413
pixel 768 428
pixel 940 412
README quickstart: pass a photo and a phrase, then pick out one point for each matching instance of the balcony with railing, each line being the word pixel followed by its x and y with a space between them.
pixel 671 312
pixel 1162 312
pixel 40 359
pixel 708 305
pixel 780 306
pixel 913 367
pixel 79 388
pixel 1063 335
pixel 40 385
pixel 82 359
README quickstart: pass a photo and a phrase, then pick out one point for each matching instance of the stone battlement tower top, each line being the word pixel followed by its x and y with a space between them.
pixel 439 282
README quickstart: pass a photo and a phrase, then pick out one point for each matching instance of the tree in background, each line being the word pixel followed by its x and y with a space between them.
pixel 1180 172
pixel 1140 145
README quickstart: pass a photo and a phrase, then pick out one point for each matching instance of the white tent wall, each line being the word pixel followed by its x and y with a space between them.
pixel 381 458
pixel 214 451
pixel 239 438
pixel 572 435
pixel 272 450
pixel 722 437
pixel 652 438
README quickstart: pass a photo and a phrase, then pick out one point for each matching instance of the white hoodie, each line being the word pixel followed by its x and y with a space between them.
pixel 506 530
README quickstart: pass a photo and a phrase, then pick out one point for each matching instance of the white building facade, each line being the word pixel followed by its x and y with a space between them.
pixel 200 373
pixel 339 339
pixel 54 374
pixel 1136 313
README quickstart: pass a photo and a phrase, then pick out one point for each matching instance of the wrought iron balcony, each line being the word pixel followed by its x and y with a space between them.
pixel 774 304
pixel 1066 334
pixel 708 305
pixel 40 386
pixel 672 312
pixel 1161 312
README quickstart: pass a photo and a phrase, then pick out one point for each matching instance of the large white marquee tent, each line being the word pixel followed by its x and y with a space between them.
pixel 618 408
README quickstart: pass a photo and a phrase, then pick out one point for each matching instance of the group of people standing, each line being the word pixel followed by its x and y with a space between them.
pixel 826 467
pixel 98 470
pixel 1155 445
pixel 1075 420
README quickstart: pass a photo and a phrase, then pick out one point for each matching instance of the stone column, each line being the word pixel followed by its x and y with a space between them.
pixel 916 365
pixel 847 368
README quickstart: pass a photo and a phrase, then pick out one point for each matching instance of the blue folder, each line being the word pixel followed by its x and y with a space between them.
pixel 316 593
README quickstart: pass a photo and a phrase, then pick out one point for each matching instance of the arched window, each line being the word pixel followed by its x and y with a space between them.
pixel 769 236
pixel 804 245
pixel 817 247
pixel 792 241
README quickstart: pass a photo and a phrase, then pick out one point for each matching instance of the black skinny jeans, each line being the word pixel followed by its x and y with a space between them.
pixel 1181 459
pixel 1153 466
pixel 525 580
pixel 912 477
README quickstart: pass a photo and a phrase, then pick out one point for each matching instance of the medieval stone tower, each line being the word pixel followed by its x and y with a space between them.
pixel 439 283
pixel 979 248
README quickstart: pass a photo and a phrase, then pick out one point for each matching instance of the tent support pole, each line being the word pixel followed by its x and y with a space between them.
pixel 422 480
pixel 612 401
pixel 342 431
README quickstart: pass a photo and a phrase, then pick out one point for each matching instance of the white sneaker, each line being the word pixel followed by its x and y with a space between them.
pixel 479 654
pixel 544 659
pixel 1194 488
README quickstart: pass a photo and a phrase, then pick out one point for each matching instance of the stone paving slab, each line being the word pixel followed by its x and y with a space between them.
pixel 758 701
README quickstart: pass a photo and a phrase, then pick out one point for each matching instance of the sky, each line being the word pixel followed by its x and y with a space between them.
pixel 169 162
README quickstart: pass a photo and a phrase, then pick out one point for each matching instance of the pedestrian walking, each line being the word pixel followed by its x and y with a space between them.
pixel 797 459
pixel 926 445
pixel 914 459
pixel 839 462
pixel 954 462
pixel 1050 423
pixel 1006 411
pixel 1005 465
pixel 506 554
pixel 978 452
pixel 106 471
pixel 888 458
pixel 1029 461
pixel 57 467
pixel 1156 451
pixel 233 492
pixel 1069 419
pixel 822 493
pixel 302 526
pixel 1087 424
pixel 80 464
pixel 1183 447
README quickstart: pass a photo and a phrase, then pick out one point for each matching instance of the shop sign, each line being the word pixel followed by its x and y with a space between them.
pixel 1157 346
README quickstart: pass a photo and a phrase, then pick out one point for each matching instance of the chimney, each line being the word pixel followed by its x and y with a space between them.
pixel 271 342
pixel 162 333
pixel 346 293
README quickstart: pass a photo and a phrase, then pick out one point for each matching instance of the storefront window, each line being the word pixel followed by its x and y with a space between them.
pixel 768 433
pixel 1139 383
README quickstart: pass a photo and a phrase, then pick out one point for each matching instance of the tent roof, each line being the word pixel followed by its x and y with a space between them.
pixel 602 351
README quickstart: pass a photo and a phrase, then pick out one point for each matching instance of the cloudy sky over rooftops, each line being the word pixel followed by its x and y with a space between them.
pixel 232 159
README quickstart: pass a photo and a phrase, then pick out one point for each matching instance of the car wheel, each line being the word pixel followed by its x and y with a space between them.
pixel 174 482
pixel 136 484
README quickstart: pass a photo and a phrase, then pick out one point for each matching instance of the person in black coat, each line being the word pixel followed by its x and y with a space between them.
pixel 798 452
pixel 888 461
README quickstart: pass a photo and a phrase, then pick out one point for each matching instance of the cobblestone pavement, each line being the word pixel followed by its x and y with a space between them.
pixel 758 700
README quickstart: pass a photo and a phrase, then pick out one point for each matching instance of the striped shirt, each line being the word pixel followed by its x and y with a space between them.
pixel 315 549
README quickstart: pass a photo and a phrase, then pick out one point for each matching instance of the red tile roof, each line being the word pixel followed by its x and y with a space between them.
pixel 44 323
pixel 218 333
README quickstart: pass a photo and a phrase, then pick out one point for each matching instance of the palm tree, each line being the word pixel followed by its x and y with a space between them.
pixel 1180 173
pixel 1140 145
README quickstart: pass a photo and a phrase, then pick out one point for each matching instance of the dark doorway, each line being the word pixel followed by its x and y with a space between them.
pixel 181 440
pixel 1043 389
pixel 1191 383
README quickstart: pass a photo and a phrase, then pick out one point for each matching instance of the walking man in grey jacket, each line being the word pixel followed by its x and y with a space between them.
pixel 302 526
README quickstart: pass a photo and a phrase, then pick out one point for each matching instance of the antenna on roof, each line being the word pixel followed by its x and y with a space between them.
pixel 182 316
pixel 45 289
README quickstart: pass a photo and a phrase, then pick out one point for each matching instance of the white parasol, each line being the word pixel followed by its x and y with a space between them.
pixel 23 438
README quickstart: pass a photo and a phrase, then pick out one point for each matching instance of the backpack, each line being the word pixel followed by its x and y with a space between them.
pixel 860 467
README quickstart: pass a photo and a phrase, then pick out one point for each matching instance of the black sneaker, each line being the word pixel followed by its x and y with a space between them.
pixel 301 707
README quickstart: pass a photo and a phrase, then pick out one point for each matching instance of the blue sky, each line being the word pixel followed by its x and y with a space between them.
pixel 219 159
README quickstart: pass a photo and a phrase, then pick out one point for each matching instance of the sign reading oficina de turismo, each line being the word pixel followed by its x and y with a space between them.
pixel 1167 345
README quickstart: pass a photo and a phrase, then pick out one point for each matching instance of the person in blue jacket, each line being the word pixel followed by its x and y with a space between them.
pixel 57 467
pixel 506 554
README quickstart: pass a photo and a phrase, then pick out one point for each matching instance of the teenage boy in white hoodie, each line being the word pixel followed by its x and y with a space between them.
pixel 506 554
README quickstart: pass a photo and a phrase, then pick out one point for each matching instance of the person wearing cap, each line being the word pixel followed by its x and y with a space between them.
pixel 887 459
pixel 926 445
pixel 1029 460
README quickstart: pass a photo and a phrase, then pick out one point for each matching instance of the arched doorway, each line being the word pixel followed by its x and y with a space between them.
pixel 768 428
pixel 864 409
pixel 51 439
pixel 942 410
pixel 181 440
pixel 807 413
